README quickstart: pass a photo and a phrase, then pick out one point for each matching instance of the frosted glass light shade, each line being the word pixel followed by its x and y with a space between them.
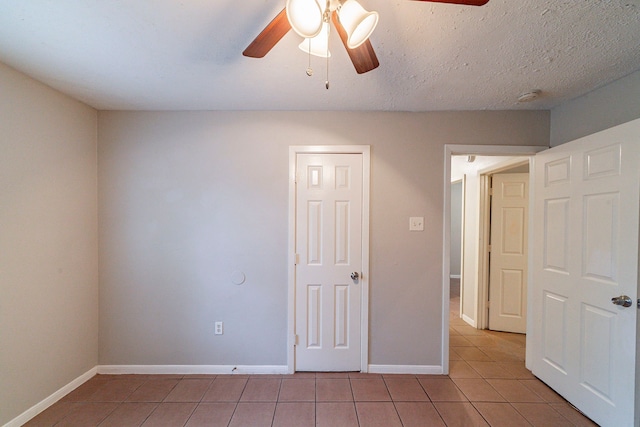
pixel 357 22
pixel 319 44
pixel 305 17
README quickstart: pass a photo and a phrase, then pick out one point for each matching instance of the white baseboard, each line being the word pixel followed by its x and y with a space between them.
pixel 469 320
pixel 454 276
pixel 406 369
pixel 192 369
pixel 47 402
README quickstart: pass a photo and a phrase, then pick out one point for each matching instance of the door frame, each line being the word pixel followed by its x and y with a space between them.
pixel 484 233
pixel 365 151
pixel 452 150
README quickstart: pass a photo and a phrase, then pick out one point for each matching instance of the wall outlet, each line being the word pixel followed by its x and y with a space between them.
pixel 416 223
pixel 219 328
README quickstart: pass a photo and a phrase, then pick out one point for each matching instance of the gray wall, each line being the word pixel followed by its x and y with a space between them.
pixel 48 242
pixel 608 106
pixel 187 198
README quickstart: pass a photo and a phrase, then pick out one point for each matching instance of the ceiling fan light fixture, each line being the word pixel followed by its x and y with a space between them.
pixel 357 22
pixel 305 17
pixel 318 45
pixel 352 22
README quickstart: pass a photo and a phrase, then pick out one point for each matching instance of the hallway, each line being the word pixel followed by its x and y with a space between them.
pixel 488 370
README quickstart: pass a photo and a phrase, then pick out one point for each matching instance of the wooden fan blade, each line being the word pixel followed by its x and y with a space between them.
pixel 268 38
pixel 363 57
pixel 465 2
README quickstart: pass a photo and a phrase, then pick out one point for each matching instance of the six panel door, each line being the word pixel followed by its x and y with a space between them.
pixel 329 251
pixel 509 256
pixel 585 254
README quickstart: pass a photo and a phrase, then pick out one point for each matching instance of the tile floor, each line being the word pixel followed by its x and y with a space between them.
pixel 488 386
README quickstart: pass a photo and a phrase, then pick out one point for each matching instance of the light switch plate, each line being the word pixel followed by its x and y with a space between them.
pixel 416 223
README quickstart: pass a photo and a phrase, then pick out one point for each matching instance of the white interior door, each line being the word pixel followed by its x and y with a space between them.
pixel 509 256
pixel 329 199
pixel 585 233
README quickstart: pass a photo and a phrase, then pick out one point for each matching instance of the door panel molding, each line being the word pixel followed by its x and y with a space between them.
pixel 365 151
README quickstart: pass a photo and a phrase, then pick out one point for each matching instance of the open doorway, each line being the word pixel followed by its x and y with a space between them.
pixel 487 290
pixel 470 223
pixel 475 159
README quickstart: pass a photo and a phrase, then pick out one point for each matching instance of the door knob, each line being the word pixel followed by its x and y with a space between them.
pixel 355 275
pixel 622 300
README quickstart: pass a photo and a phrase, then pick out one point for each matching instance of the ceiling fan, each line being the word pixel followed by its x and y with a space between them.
pixel 295 15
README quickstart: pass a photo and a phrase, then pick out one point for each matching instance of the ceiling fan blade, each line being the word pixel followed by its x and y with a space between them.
pixel 465 2
pixel 268 38
pixel 363 57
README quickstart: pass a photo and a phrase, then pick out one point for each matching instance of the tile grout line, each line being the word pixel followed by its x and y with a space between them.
pixel 162 401
pixel 239 399
pixel 430 400
pixel 353 397
pixel 119 403
pixel 275 407
pixel 200 401
pixel 157 403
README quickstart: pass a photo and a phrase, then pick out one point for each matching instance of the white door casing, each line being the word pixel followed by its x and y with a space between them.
pixel 509 255
pixel 331 213
pixel 585 252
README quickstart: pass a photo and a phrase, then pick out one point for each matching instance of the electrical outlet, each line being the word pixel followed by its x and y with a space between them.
pixel 416 223
pixel 219 330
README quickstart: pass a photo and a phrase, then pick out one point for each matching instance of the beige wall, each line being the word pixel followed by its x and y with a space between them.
pixel 188 198
pixel 48 242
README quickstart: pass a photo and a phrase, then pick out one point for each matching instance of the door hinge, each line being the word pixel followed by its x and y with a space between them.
pixel 488 248
pixel 295 339
pixel 491 191
pixel 296 259
pixel 488 304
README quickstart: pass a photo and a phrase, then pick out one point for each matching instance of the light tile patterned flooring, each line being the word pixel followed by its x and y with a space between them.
pixel 488 386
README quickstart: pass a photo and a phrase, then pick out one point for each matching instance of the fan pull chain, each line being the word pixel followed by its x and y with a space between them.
pixel 309 69
pixel 326 83
pixel 326 18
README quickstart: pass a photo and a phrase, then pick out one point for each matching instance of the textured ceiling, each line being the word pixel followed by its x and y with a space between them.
pixel 187 54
